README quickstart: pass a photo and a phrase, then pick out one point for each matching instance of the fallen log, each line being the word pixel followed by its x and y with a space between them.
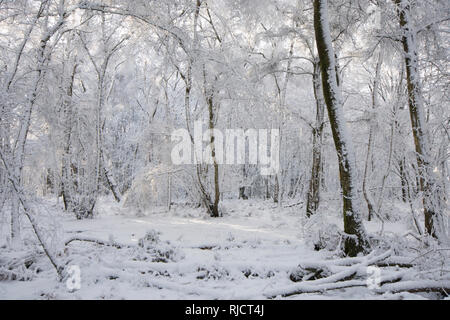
pixel 97 241
pixel 390 284
pixel 313 287
pixel 416 286
pixel 330 282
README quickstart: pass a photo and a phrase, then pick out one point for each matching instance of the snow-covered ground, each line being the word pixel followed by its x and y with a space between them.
pixel 248 252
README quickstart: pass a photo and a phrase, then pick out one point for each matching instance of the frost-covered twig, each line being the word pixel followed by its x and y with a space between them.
pixel 26 260
pixel 430 251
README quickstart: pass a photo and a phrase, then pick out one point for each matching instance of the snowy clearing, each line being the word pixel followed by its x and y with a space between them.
pixel 250 253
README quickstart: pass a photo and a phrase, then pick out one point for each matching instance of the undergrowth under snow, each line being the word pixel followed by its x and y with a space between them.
pixel 254 249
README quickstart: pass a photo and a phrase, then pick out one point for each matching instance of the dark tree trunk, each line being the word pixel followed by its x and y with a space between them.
pixel 242 188
pixel 276 189
pixel 355 239
pixel 313 198
pixel 370 144
pixel 214 207
pixel 67 179
pixel 402 171
pixel 431 193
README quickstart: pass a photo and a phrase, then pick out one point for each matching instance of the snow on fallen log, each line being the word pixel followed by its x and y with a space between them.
pixel 338 265
pixel 329 283
pixel 415 286
pixel 402 262
pixel 391 283
pixel 97 241
pixel 316 288
pixel 388 284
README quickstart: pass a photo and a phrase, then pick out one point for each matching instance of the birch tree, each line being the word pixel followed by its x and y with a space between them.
pixel 17 152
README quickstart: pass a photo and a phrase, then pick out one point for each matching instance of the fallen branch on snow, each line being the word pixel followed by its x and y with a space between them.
pixel 344 279
pixel 329 283
pixel 415 286
pixel 97 241
pixel 309 287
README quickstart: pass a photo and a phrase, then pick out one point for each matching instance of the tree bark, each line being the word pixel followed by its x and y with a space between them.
pixel 313 198
pixel 372 127
pixel 428 185
pixel 214 205
pixel 402 172
pixel 18 152
pixel 356 239
pixel 67 187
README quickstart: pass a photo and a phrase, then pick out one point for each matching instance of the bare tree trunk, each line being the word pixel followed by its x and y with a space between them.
pixel 428 184
pixel 66 176
pixel 102 169
pixel 21 48
pixel 18 194
pixel 372 127
pixel 366 192
pixel 410 202
pixel 242 188
pixel 402 172
pixel 388 168
pixel 276 189
pixel 356 240
pixel 215 205
pixel 15 222
pixel 313 198
pixel 169 191
pixel 110 178
pixel 19 145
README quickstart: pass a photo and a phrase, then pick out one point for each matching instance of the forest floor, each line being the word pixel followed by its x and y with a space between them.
pixel 249 252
